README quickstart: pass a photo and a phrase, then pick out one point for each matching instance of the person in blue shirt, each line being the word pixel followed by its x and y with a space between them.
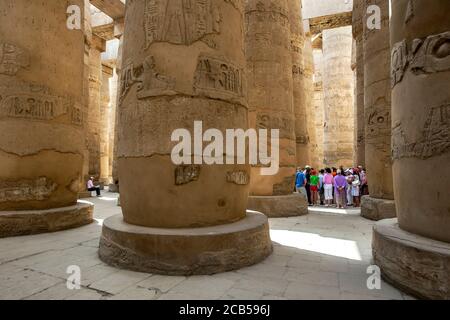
pixel 300 181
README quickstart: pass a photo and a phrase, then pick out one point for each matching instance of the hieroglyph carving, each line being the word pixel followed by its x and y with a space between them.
pixel 434 140
pixel 238 177
pixel 12 58
pixel 37 103
pixel 216 75
pixel 150 82
pixel 378 123
pixel 26 190
pixel 180 21
pixel 186 173
pixel 423 56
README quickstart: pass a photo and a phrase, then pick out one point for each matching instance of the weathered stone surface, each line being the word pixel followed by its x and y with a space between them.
pixel 204 79
pixel 206 250
pixel 270 86
pixel 420 36
pixel 338 92
pixel 299 89
pixel 41 106
pixel 377 209
pixel 318 103
pixel 377 111
pixel 418 265
pixel 19 223
pixel 279 206
pixel 194 219
pixel 360 135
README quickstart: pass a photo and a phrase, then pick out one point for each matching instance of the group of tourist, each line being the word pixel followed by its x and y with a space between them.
pixel 331 186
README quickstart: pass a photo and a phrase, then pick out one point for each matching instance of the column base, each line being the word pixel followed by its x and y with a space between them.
pixel 377 209
pixel 21 223
pixel 417 265
pixel 195 251
pixel 84 195
pixel 293 205
pixel 114 188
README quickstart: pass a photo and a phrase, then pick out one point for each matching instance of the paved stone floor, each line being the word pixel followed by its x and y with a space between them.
pixel 323 255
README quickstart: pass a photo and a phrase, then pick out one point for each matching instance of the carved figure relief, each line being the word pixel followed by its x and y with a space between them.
pixel 424 56
pixel 186 174
pixel 37 103
pixel 213 74
pixel 26 190
pixel 434 140
pixel 12 58
pixel 238 177
pixel 180 21
pixel 378 123
pixel 152 83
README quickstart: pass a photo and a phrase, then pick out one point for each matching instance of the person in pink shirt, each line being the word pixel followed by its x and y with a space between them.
pixel 328 181
pixel 91 187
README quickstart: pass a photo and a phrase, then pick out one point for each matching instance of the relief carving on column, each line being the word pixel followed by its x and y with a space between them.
pixel 218 78
pixel 425 56
pixel 241 178
pixel 180 21
pixel 35 102
pixel 12 59
pixel 26 190
pixel 271 122
pixel 434 139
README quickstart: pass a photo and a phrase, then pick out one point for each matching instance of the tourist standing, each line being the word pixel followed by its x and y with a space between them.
pixel 340 186
pixel 328 181
pixel 308 184
pixel 314 182
pixel 300 182
pixel 321 190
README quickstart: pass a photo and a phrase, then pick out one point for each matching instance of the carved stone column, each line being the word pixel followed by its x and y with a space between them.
pixel 114 186
pixel 377 110
pixel 94 111
pixel 107 73
pixel 298 72
pixel 41 119
pixel 360 135
pixel 413 251
pixel 338 92
pixel 186 65
pixel 318 104
pixel 270 87
pixel 308 59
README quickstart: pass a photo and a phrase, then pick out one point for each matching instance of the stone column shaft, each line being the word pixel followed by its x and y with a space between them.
pixel 360 135
pixel 187 65
pixel 377 110
pixel 338 91
pixel 299 89
pixel 270 87
pixel 41 119
pixel 413 251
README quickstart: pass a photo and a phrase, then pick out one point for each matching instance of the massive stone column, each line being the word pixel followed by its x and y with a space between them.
pixel 319 104
pixel 338 91
pixel 107 73
pixel 270 88
pixel 377 110
pixel 413 251
pixel 41 119
pixel 298 72
pixel 94 122
pixel 187 65
pixel 308 59
pixel 360 135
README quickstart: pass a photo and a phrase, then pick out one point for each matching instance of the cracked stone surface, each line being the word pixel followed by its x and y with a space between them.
pixel 323 255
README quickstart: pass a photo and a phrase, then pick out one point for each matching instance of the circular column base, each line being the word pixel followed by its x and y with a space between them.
pixel 377 209
pixel 415 264
pixel 293 205
pixel 21 223
pixel 195 251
